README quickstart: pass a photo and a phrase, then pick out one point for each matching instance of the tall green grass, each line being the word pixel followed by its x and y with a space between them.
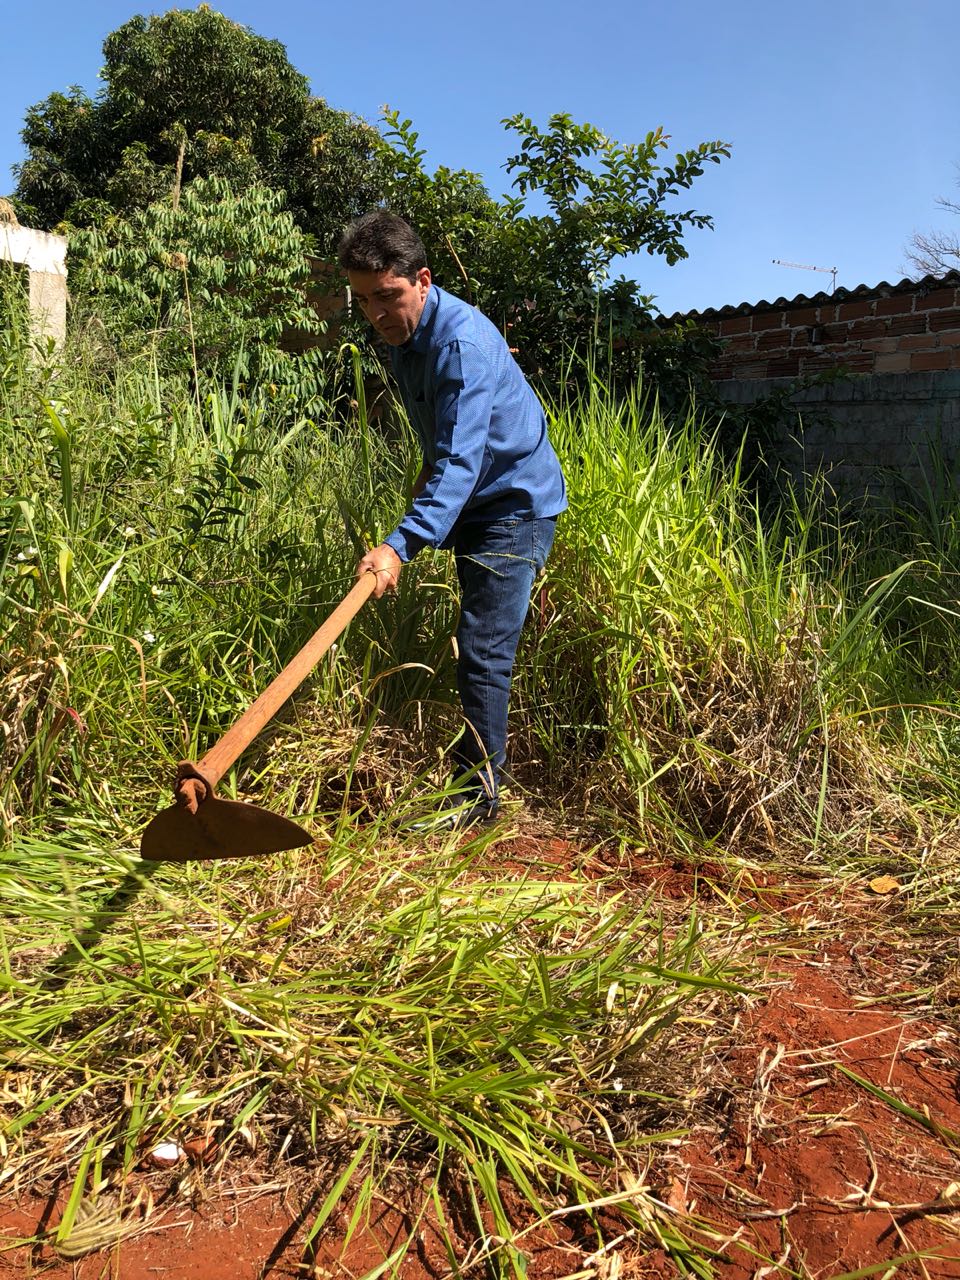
pixel 720 671
pixel 693 661
pixel 377 1008
pixel 163 557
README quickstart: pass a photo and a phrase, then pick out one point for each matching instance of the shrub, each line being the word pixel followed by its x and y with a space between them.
pixel 205 283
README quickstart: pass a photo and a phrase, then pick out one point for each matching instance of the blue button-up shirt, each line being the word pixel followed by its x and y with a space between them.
pixel 481 428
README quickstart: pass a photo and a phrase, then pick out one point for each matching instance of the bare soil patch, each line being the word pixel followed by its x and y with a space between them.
pixel 812 1170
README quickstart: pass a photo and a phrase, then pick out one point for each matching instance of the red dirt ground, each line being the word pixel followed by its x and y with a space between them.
pixel 807 1175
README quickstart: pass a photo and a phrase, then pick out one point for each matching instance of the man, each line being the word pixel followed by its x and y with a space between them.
pixel 490 486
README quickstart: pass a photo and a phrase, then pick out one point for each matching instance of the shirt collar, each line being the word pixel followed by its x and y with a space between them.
pixel 420 339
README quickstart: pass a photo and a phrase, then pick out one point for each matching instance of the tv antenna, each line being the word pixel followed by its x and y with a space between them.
pixel 803 266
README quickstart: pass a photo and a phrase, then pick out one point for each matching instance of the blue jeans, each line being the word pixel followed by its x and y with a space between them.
pixel 497 565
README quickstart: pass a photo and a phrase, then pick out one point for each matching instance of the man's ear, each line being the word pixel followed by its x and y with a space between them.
pixel 424 279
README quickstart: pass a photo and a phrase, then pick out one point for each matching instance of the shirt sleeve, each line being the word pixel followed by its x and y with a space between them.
pixel 464 402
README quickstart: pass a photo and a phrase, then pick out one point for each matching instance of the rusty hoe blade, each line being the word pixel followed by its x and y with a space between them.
pixel 219 829
pixel 200 825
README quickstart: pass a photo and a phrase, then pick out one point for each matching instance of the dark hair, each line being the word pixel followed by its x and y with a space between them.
pixel 382 241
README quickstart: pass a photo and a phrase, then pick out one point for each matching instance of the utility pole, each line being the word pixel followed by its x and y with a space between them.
pixel 831 271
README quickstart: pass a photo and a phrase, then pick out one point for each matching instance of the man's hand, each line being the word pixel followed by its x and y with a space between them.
pixel 386 564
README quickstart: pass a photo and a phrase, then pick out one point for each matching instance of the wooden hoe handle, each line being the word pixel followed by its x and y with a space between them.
pixel 195 782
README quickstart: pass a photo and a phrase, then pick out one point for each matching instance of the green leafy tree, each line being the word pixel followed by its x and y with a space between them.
pixel 545 276
pixel 67 163
pixel 208 282
pixel 191 94
pixel 456 217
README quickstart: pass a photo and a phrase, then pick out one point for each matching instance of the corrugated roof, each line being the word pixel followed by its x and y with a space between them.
pixel 882 290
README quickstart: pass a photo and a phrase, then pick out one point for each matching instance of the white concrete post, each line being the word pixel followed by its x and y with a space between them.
pixel 45 256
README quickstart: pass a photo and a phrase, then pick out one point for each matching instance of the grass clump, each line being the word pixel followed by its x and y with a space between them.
pixel 722 672
pixel 380 1010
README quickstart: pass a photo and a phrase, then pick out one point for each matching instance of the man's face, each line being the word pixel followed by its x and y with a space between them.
pixel 391 303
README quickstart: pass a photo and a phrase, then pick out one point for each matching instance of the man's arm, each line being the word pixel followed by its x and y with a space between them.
pixel 464 403
pixel 383 560
pixel 426 471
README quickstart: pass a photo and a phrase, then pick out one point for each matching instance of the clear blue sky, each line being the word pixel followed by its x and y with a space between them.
pixel 843 114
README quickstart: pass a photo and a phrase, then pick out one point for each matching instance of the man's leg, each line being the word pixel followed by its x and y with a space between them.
pixel 496 565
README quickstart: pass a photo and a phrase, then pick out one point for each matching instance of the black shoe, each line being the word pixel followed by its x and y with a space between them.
pixel 459 815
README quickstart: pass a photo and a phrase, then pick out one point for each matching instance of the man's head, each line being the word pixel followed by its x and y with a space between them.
pixel 386 265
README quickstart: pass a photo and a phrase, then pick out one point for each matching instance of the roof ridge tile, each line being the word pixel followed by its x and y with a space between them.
pixel 881 290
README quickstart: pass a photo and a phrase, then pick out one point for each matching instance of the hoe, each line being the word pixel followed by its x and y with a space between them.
pixel 201 826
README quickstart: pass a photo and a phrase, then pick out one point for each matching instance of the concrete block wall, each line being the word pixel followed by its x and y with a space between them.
pixel 882 433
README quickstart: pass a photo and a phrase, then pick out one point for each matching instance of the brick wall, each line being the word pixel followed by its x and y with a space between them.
pixel 905 328
pixel 892 424
pixel 329 300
